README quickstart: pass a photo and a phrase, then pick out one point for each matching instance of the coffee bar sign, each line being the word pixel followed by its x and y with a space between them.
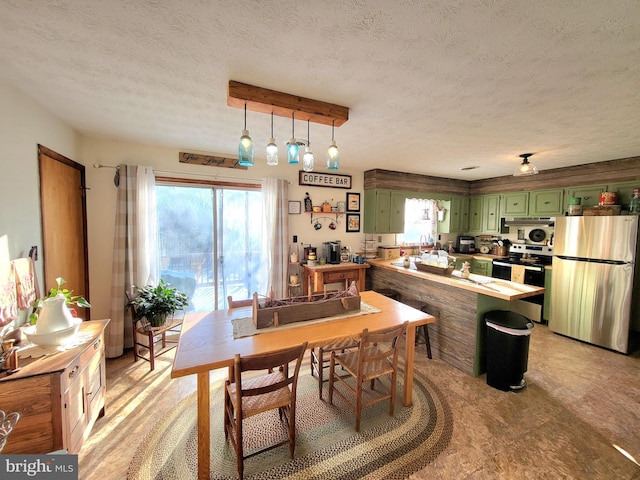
pixel 324 180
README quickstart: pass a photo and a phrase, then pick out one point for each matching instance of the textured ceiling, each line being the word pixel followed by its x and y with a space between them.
pixel 432 86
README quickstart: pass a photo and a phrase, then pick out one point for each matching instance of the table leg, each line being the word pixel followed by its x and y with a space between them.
pixel 204 426
pixel 409 352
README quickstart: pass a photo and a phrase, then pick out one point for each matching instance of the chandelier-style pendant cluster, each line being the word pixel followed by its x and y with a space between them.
pixel 282 104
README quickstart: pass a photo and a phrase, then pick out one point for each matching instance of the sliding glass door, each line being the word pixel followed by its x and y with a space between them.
pixel 209 242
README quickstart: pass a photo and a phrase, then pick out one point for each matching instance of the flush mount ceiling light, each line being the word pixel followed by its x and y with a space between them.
pixel 525 168
pixel 245 147
pixel 262 100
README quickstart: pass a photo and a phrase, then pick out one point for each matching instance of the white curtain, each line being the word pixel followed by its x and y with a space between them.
pixel 275 235
pixel 134 250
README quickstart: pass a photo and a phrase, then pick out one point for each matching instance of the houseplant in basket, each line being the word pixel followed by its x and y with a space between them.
pixel 155 304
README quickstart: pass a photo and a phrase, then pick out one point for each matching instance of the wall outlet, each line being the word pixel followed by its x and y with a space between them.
pixel 379 238
pixel 295 239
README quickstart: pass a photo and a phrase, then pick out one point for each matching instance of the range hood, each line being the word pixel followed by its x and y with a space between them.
pixel 529 221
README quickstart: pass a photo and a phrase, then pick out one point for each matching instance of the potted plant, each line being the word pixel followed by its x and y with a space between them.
pixel 156 304
pixel 70 300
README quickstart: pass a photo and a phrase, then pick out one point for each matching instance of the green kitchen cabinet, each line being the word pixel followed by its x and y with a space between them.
pixel 590 195
pixel 475 213
pixel 383 211
pixel 482 267
pixel 458 214
pixel 546 307
pixel 491 214
pixel 625 192
pixel 546 203
pixel 515 204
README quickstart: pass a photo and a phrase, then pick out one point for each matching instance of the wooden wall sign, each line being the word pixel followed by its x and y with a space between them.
pixel 211 160
pixel 324 179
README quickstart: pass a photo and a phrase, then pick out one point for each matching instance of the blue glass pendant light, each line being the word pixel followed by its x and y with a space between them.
pixel 272 148
pixel 293 150
pixel 245 147
pixel 333 155
pixel 307 159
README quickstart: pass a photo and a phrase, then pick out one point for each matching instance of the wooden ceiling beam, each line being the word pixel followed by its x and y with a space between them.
pixel 263 100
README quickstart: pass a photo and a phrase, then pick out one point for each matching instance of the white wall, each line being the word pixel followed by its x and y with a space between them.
pixel 101 200
pixel 24 125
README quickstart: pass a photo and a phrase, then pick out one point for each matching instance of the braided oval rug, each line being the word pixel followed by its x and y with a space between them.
pixel 327 445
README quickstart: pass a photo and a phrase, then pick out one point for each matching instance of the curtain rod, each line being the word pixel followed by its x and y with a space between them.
pixel 170 172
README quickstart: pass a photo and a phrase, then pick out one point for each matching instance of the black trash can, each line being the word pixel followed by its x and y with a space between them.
pixel 508 336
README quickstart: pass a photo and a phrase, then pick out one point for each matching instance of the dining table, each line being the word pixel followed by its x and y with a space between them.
pixel 207 343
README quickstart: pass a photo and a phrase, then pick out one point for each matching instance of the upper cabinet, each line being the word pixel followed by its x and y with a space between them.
pixel 459 214
pixel 590 195
pixel 383 211
pixel 491 214
pixel 475 213
pixel 546 203
pixel 515 204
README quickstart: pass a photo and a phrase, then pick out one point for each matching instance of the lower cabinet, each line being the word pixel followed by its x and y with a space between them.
pixel 59 397
pixel 482 267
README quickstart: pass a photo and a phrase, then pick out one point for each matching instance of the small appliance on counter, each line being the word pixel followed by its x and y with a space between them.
pixel 466 244
pixel 306 251
pixel 331 251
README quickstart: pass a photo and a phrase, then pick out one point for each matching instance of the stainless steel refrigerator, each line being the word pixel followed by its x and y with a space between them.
pixel 592 282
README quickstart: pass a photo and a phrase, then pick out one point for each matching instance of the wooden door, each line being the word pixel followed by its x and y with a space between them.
pixel 64 231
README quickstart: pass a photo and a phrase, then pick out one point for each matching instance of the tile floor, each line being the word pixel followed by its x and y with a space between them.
pixel 579 402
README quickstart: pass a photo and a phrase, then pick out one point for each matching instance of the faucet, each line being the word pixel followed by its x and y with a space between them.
pixel 423 237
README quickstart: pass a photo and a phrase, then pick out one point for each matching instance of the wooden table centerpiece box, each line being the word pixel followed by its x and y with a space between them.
pixel 272 313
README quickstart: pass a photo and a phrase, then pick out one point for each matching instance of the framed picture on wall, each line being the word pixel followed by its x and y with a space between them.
pixel 353 222
pixel 353 202
pixel 295 206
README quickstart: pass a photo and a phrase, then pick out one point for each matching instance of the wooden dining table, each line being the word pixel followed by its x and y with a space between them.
pixel 207 343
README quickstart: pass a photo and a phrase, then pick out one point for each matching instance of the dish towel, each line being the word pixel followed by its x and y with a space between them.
pixel 517 273
pixel 26 284
pixel 8 295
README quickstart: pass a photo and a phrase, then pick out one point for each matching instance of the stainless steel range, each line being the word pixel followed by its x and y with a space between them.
pixel 534 258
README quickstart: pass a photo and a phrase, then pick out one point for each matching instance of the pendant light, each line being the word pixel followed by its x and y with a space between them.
pixel 272 148
pixel 245 148
pixel 293 150
pixel 333 155
pixel 525 168
pixel 307 159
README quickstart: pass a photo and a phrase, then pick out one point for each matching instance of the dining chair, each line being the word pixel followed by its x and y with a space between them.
pixel 246 397
pixel 376 357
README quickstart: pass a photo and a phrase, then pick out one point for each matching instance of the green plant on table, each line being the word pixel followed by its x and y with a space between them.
pixel 70 300
pixel 157 303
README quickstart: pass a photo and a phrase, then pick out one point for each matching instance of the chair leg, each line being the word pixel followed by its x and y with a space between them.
pixel 152 356
pixel 427 343
pixel 136 348
pixel 320 368
pixel 164 339
pixel 358 405
pixel 332 364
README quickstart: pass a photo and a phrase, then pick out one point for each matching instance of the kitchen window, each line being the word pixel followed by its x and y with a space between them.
pixel 208 245
pixel 420 220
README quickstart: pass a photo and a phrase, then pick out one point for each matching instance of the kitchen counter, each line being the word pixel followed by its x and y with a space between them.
pixel 492 287
pixel 459 335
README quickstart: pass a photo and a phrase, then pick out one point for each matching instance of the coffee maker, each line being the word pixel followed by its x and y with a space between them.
pixel 331 251
pixel 466 244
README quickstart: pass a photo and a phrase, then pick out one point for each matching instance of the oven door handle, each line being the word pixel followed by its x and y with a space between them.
pixel 535 269
pixel 501 264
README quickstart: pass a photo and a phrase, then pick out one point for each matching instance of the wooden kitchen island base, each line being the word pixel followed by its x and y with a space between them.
pixel 459 335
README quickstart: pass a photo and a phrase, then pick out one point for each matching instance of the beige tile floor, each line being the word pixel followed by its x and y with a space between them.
pixel 579 402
